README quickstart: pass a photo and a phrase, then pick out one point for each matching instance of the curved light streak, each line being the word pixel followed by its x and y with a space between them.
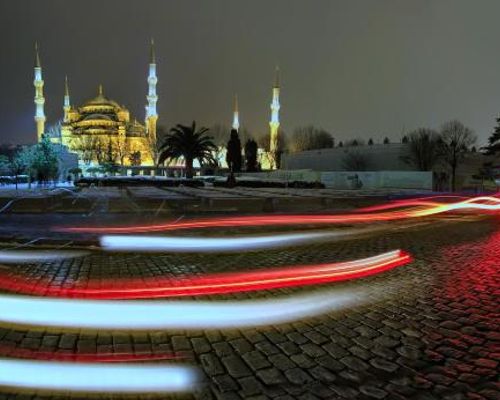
pixel 34 256
pixel 143 315
pixel 423 209
pixel 97 378
pixel 207 244
pixel 263 279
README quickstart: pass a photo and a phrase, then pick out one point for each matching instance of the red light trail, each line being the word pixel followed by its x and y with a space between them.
pixel 419 208
pixel 264 279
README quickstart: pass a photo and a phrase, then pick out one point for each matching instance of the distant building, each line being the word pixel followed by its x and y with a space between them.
pixel 101 129
pixel 377 157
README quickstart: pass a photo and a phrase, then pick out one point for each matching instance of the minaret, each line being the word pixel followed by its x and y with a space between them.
pixel 236 115
pixel 274 124
pixel 151 114
pixel 39 99
pixel 67 104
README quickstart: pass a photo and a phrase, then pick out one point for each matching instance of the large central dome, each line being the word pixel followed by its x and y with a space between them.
pixel 101 100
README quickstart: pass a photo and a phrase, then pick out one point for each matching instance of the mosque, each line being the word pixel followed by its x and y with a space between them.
pixel 102 130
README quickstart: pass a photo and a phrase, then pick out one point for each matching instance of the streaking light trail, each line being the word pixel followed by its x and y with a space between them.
pixel 263 279
pixel 32 256
pixel 153 314
pixel 97 378
pixel 220 244
pixel 421 208
pixel 206 244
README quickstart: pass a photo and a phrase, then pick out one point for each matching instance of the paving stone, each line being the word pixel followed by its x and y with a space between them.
pixel 354 363
pixel 373 392
pixel 281 362
pixel 271 376
pixel 256 360
pixel 235 366
pixel 211 364
pixel 201 345
pixel 298 376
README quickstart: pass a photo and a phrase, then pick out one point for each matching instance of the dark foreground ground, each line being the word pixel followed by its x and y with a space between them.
pixel 433 335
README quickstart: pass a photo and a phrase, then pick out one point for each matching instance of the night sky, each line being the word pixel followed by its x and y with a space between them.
pixel 358 68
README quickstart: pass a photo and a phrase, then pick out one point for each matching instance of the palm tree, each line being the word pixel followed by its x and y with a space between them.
pixel 187 142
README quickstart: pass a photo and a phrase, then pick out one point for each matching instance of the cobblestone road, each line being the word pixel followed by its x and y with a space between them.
pixel 434 335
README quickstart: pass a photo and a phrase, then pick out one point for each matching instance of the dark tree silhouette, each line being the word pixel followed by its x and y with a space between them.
pixel 456 141
pixel 493 146
pixel 341 144
pixel 404 140
pixel 188 143
pixel 233 155
pixel 370 142
pixel 251 155
pixel 386 140
pixel 423 149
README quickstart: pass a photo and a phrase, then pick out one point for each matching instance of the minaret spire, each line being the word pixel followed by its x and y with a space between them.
pixel 67 104
pixel 236 114
pixel 39 98
pixel 274 124
pixel 152 98
pixel 152 54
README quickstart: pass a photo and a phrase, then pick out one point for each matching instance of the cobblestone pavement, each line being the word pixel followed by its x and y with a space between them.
pixel 434 334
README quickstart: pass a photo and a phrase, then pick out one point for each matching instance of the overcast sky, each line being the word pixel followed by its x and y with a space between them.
pixel 358 68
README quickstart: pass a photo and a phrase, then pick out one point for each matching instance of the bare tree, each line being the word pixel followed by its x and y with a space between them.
pixel 423 148
pixel 87 146
pixel 456 141
pixel 121 149
pixel 355 161
pixel 310 138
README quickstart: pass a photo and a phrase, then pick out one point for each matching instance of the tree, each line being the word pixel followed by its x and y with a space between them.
pixel 188 143
pixel 54 131
pixel 370 142
pixel 5 165
pixel 493 146
pixel 355 142
pixel 88 146
pixel 341 144
pixel 23 161
pixel 45 161
pixel 135 158
pixel 355 161
pixel 405 139
pixel 386 140
pixel 219 133
pixel 456 141
pixel 263 142
pixel 251 155
pixel 310 138
pixel 423 149
pixel 233 155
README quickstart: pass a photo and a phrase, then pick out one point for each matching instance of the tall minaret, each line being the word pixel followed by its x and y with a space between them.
pixel 274 124
pixel 151 114
pixel 39 99
pixel 236 115
pixel 67 104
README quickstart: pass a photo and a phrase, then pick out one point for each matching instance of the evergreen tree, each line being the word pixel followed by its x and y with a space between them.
pixel 45 160
pixel 493 146
pixel 251 155
pixel 386 140
pixel 233 155
pixel 370 142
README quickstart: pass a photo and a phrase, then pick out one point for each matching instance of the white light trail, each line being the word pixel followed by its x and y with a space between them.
pixel 207 244
pixel 97 377
pixel 29 256
pixel 150 314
